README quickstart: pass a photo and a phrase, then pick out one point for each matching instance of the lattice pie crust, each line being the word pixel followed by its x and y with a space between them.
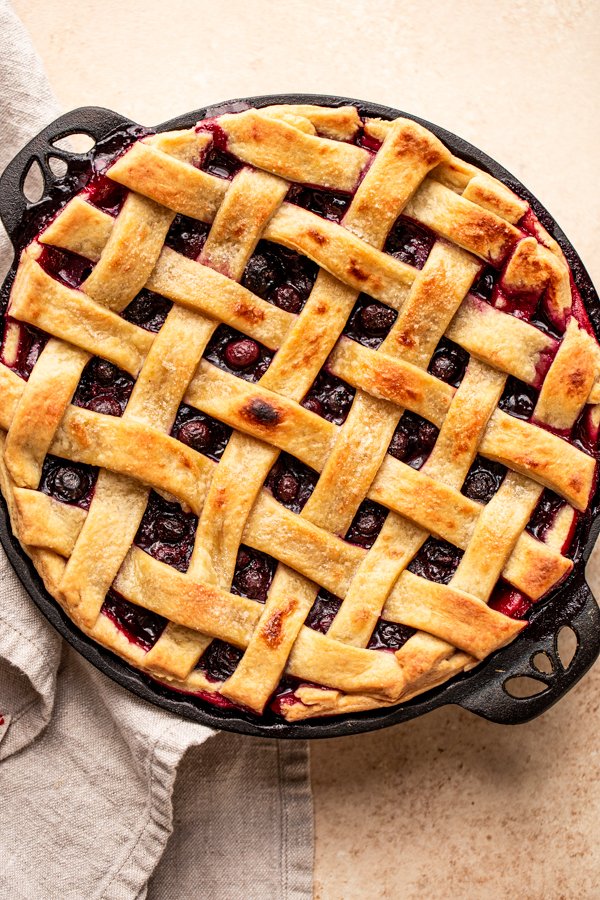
pixel 384 170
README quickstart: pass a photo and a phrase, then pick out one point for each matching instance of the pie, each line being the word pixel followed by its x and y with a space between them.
pixel 298 410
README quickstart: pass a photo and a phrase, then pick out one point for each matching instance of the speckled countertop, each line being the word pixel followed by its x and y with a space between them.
pixel 449 805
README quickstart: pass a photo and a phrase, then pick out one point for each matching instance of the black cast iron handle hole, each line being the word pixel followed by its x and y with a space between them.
pixel 521 687
pixel 58 166
pixel 542 663
pixel 551 664
pixel 50 165
pixel 79 142
pixel 33 185
pixel 567 645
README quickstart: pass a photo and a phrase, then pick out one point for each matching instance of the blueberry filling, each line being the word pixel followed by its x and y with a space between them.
pixel 201 432
pixel 103 388
pixel 369 322
pixel 284 692
pixel 219 661
pixel 329 397
pixel 541 320
pixel 509 602
pixel 220 163
pixel 288 298
pixel 196 434
pixel 367 141
pixel 281 276
pixel 66 267
pixel 187 236
pixel 323 611
pixel 518 399
pixel 485 283
pixel 449 362
pixel 68 482
pixel 81 171
pixel 331 205
pixel 366 524
pixel 389 636
pixel 291 482
pixel 386 635
pixel 516 303
pixel 483 480
pixel 410 243
pixel 148 310
pixel 31 342
pixel 413 440
pixel 436 561
pixel 263 273
pixel 212 126
pixel 167 533
pixel 544 514
pixel 139 625
pixel 254 573
pixel 240 355
pixel 106 194
pixel 585 433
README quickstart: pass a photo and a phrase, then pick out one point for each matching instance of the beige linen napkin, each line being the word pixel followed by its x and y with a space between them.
pixel 101 794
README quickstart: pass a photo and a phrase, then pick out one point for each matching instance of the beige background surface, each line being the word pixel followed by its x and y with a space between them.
pixel 450 805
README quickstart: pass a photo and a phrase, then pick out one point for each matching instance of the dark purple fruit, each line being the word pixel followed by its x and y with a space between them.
pixel 389 636
pixel 286 297
pixel 377 319
pixel 323 612
pixel 447 367
pixel 338 400
pixel 426 436
pixel 108 406
pixel 314 405
pixel 253 581
pixel 519 404
pixel 220 660
pixel 171 555
pixel 399 444
pixel 69 485
pixel 262 274
pixel 240 354
pixel 196 434
pixel 484 285
pixel 286 488
pixel 368 523
pixel 169 529
pixel 481 486
pixel 105 373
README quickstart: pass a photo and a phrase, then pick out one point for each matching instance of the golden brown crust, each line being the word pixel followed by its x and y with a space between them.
pixel 130 253
pixel 39 411
pixel 277 146
pixel 340 123
pixel 176 185
pixel 340 252
pixel 70 315
pixel 464 223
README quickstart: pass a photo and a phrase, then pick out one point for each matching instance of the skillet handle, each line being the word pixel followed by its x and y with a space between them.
pixel 489 697
pixel 89 120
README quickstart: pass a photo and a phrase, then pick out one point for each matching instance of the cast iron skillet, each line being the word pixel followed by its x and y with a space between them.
pixel 482 691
